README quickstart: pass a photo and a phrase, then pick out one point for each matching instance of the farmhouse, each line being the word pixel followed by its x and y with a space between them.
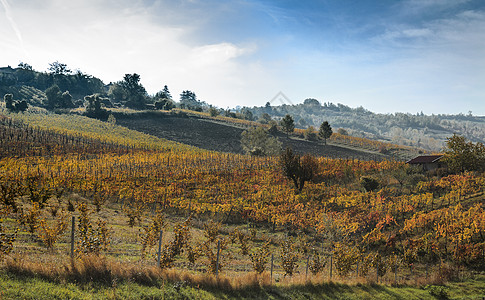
pixel 428 162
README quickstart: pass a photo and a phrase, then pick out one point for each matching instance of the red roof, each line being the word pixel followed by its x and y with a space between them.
pixel 425 159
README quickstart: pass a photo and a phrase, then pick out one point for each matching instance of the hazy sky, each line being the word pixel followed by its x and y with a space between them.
pixel 384 55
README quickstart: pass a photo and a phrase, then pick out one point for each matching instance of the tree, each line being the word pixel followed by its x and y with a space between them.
pixel 214 112
pixel 54 96
pixel 9 104
pixel 14 106
pixel 188 100
pixel 256 141
pixel 94 108
pixel 264 119
pixel 58 68
pixel 117 93
pixel 135 92
pixel 298 169
pixel 462 155
pixel 288 124
pixel 311 102
pixel 164 94
pixel 325 131
pixel 25 66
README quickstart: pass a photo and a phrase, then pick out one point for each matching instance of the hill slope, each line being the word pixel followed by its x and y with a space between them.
pixel 218 136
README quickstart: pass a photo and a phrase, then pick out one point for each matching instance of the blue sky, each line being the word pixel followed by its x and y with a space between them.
pixel 387 56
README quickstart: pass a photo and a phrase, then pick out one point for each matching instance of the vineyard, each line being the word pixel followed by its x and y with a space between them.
pixel 226 214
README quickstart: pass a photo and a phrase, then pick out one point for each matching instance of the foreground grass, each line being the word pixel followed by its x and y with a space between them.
pixel 26 287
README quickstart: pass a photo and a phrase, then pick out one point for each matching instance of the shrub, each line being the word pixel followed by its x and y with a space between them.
pixel 369 184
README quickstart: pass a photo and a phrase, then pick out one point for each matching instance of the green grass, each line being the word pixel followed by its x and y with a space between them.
pixel 22 287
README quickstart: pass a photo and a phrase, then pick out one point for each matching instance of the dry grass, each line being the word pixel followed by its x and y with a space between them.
pixel 109 272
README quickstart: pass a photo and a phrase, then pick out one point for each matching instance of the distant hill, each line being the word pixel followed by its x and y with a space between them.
pixel 419 130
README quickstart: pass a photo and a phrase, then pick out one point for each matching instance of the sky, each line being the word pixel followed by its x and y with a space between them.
pixel 384 55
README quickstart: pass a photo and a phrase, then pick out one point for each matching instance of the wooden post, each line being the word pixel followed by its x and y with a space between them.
pixel 331 258
pixel 73 225
pixel 272 259
pixel 377 272
pixel 159 248
pixel 307 263
pixel 217 261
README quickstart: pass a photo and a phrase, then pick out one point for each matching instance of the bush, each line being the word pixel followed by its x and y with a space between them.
pixel 256 141
pixel 311 134
pixel 369 184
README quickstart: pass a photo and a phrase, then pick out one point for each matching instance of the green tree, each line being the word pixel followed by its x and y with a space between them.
pixel 57 68
pixel 135 92
pixel 214 112
pixel 325 131
pixel 117 93
pixel 25 66
pixel 54 96
pixel 14 106
pixel 94 108
pixel 188 100
pixel 164 94
pixel 9 104
pixel 462 155
pixel 256 141
pixel 288 124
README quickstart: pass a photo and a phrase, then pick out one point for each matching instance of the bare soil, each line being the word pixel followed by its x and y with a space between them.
pixel 216 136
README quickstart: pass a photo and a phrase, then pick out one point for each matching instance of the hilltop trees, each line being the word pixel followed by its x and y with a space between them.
pixel 188 100
pixel 135 92
pixel 325 131
pixel 164 99
pixel 129 92
pixel 57 68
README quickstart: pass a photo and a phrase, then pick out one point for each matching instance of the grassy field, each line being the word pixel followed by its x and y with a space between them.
pixel 31 287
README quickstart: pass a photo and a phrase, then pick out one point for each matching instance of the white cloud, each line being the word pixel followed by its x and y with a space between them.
pixel 109 40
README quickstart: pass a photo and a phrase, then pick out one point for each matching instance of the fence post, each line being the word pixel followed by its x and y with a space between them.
pixel 395 273
pixel 307 263
pixel 159 248
pixel 377 272
pixel 73 224
pixel 272 259
pixel 331 259
pixel 217 261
